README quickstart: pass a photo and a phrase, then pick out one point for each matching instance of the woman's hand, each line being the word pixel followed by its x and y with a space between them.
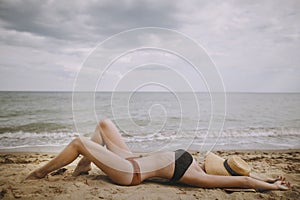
pixel 273 180
pixel 282 184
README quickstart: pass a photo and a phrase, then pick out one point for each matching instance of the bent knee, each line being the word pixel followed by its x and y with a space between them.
pixel 76 142
pixel 104 123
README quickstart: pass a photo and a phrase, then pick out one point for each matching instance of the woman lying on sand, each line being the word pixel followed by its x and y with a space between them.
pixel 117 161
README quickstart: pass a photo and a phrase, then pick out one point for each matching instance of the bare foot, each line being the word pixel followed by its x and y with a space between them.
pixel 80 170
pixel 83 167
pixel 34 175
pixel 283 185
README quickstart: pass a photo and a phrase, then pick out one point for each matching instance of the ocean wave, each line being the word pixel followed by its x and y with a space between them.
pixel 203 134
pixel 36 127
pixel 21 138
pixel 261 132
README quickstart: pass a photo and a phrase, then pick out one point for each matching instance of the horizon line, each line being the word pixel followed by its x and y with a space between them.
pixel 253 92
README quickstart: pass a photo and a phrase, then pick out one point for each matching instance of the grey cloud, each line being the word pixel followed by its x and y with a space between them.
pixel 80 21
pixel 115 16
pixel 246 39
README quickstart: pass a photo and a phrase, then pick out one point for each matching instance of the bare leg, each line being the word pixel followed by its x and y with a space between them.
pixel 84 165
pixel 68 155
pixel 107 134
pixel 117 168
pixel 113 140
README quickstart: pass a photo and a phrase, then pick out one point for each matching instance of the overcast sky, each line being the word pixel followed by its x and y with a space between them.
pixel 255 44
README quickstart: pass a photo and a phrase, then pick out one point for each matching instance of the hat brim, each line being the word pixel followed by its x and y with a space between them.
pixel 214 165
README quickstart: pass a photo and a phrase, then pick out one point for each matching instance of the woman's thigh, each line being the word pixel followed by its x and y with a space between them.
pixel 116 167
pixel 113 139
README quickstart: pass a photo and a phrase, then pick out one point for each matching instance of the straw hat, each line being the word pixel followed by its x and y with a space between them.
pixel 234 165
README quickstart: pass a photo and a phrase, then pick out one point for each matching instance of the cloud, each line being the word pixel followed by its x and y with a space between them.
pixel 84 21
pixel 246 39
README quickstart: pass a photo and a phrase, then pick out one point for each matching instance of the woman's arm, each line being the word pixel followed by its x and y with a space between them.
pixel 264 178
pixel 212 181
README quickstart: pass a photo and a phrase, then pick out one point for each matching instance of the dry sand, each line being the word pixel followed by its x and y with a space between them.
pixel 15 166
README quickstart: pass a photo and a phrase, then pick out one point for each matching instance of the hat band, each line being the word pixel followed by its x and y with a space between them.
pixel 230 171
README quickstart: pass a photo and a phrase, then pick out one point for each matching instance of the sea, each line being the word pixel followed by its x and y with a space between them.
pixel 151 121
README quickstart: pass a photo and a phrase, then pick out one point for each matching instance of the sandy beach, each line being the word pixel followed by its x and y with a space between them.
pixel 15 166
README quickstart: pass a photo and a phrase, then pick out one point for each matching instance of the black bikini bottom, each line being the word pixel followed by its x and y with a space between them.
pixel 183 160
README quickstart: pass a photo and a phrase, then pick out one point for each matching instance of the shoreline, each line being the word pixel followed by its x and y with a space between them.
pixel 15 166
